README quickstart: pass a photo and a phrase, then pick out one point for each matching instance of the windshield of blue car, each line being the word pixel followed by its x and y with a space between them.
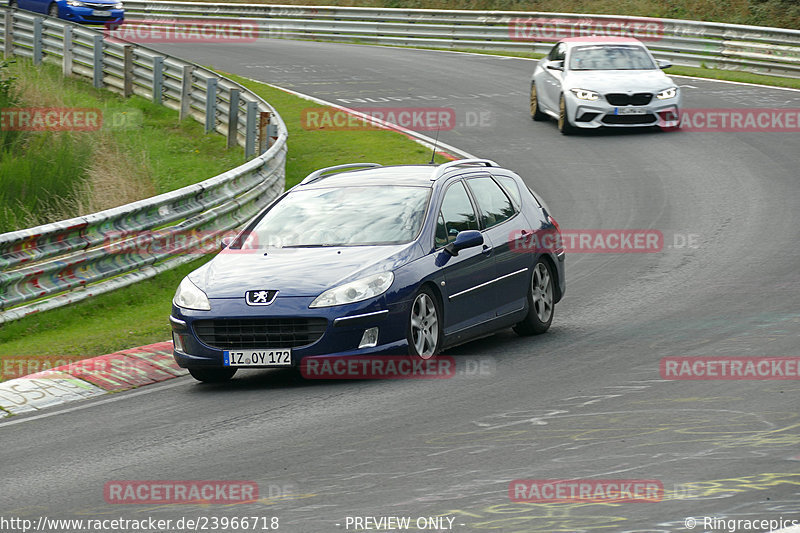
pixel 607 57
pixel 342 216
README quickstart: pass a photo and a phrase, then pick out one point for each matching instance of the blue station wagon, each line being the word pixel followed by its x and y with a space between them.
pixel 363 259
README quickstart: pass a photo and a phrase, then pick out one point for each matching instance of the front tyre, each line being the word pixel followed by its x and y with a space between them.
pixel 536 112
pixel 53 10
pixel 425 325
pixel 212 375
pixel 564 125
pixel 540 301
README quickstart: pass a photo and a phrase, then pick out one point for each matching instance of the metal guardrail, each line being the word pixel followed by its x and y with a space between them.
pixel 690 43
pixel 56 264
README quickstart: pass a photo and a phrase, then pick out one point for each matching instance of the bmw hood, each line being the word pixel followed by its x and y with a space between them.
pixel 618 81
pixel 294 271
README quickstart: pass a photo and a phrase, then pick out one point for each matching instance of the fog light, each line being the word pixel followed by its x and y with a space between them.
pixel 369 339
pixel 177 341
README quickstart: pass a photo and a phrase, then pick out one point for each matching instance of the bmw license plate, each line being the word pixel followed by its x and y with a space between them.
pixel 264 358
pixel 630 111
pixel 98 13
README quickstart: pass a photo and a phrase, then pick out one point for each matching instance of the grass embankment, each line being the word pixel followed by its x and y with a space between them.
pixel 137 315
pixel 139 150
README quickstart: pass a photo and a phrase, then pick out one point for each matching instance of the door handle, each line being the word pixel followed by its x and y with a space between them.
pixel 487 250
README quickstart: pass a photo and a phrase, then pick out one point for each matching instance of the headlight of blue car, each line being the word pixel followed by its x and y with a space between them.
pixel 189 296
pixel 355 291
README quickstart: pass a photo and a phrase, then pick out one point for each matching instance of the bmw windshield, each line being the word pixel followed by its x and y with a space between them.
pixel 343 216
pixel 608 57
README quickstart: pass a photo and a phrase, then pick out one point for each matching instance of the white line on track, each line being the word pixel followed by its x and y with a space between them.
pixel 416 136
pixel 115 398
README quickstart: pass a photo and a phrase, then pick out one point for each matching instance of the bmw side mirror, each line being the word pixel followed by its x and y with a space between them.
pixel 556 65
pixel 465 239
pixel 226 241
pixel 663 63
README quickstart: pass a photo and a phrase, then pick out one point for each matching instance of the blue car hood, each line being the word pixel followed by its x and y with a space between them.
pixel 295 271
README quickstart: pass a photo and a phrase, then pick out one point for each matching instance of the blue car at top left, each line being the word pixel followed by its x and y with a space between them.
pixel 109 12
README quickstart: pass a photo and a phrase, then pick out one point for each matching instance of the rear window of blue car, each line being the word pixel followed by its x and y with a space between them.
pixel 343 216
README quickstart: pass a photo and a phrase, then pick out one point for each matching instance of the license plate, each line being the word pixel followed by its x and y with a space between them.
pixel 630 111
pixel 263 358
pixel 98 13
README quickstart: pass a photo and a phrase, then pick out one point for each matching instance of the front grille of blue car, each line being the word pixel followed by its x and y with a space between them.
pixel 245 333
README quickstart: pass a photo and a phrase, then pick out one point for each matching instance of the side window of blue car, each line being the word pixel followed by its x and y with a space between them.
pixel 495 207
pixel 457 214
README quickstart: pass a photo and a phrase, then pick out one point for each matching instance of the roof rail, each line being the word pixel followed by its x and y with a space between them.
pixel 441 169
pixel 321 173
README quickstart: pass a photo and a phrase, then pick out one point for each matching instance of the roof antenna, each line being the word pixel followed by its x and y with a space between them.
pixel 435 142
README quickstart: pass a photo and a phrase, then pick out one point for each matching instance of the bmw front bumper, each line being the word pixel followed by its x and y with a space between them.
pixel 598 113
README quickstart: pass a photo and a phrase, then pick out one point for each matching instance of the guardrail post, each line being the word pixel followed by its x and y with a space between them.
pixel 211 104
pixel 233 118
pixel 186 91
pixel 37 40
pixel 263 131
pixel 250 139
pixel 97 74
pixel 66 56
pixel 158 78
pixel 127 70
pixel 8 24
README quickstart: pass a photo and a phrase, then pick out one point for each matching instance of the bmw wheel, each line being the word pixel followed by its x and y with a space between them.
pixel 424 325
pixel 212 375
pixel 564 125
pixel 53 10
pixel 12 4
pixel 541 298
pixel 536 113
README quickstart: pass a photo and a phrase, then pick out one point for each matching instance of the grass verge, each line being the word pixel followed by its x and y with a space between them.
pixel 137 314
pixel 139 150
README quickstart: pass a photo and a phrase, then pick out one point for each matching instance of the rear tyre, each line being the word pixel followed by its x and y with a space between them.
pixel 425 325
pixel 12 4
pixel 536 113
pixel 541 301
pixel 53 10
pixel 564 125
pixel 212 375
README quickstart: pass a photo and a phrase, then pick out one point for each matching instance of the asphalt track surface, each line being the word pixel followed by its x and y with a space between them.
pixel 584 401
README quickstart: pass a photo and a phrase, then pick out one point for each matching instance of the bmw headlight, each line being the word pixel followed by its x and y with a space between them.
pixel 584 94
pixel 75 3
pixel 355 291
pixel 667 93
pixel 189 296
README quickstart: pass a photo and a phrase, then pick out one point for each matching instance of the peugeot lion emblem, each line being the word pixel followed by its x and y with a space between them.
pixel 262 297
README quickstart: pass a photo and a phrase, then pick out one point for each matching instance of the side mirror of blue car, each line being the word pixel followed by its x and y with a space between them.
pixel 465 239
